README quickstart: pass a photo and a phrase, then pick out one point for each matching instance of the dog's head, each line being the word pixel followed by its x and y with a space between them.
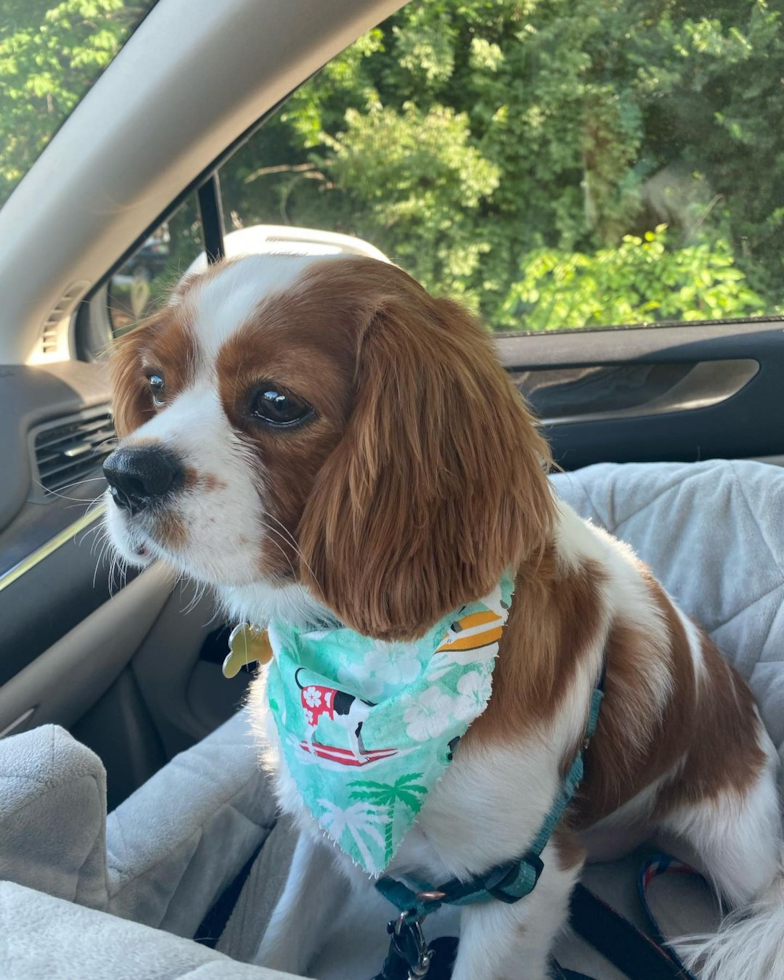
pixel 329 427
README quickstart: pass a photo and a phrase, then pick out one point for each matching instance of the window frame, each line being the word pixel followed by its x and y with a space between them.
pixel 90 330
pixel 90 321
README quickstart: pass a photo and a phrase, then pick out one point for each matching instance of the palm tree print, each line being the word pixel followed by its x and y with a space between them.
pixel 404 791
pixel 361 820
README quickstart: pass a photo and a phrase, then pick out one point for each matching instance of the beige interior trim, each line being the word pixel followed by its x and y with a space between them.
pixel 194 77
pixel 68 678
pixel 66 535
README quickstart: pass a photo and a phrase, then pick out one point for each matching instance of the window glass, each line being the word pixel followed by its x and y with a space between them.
pixel 50 54
pixel 147 277
pixel 555 163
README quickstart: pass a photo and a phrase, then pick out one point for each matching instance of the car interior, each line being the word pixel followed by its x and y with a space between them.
pixel 130 664
pixel 76 639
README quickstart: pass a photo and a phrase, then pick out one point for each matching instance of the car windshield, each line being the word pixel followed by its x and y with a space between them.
pixel 50 55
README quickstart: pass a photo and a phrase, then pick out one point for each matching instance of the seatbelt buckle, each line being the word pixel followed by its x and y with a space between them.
pixel 500 879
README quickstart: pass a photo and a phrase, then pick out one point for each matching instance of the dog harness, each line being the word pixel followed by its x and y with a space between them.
pixel 409 955
pixel 367 728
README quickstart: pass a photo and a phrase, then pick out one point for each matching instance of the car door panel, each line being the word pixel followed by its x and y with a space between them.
pixel 640 394
pixel 49 599
pixel 50 577
pixel 113 655
pixel 63 682
pixel 186 694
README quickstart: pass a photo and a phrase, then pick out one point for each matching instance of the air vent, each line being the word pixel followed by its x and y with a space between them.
pixel 49 339
pixel 69 449
pixel 50 336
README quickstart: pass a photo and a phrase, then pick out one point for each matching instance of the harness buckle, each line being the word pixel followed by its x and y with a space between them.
pixel 498 880
pixel 432 896
pixel 411 945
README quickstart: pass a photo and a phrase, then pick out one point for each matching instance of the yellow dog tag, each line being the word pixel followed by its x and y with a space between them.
pixel 247 645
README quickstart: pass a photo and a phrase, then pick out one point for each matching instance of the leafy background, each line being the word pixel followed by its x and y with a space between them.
pixel 554 163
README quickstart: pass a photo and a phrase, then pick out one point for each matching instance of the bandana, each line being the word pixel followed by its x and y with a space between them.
pixel 367 728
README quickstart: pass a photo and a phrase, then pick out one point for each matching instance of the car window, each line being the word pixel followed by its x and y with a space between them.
pixel 144 279
pixel 51 53
pixel 557 164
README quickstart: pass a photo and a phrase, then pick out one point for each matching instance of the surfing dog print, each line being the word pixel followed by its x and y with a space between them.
pixel 348 711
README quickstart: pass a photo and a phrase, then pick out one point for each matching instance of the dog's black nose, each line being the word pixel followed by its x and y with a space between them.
pixel 139 477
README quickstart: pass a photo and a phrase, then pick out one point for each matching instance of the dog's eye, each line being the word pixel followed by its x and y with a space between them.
pixel 273 407
pixel 158 389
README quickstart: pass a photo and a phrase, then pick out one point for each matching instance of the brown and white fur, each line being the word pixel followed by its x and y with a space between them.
pixel 419 477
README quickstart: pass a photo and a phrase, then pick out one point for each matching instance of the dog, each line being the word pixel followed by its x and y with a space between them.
pixel 321 437
pixel 351 712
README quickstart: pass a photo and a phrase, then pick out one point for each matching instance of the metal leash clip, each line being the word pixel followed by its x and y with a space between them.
pixel 410 945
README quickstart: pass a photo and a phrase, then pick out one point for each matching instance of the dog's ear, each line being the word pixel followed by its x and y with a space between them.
pixel 131 401
pixel 439 482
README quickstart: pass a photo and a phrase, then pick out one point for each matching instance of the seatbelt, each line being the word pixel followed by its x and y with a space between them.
pixel 624 945
pixel 215 921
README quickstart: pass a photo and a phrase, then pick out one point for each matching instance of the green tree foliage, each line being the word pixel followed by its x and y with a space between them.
pixel 500 149
pixel 639 281
pixel 50 54
pixel 520 154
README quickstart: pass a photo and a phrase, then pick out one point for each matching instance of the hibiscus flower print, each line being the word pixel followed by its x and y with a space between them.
pixel 383 670
pixel 473 691
pixel 355 677
pixel 429 715
pixel 312 696
pixel 396 663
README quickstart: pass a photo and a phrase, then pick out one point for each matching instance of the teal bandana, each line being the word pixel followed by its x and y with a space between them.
pixel 367 727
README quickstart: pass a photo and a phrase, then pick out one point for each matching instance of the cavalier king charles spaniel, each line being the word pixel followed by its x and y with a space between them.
pixel 321 440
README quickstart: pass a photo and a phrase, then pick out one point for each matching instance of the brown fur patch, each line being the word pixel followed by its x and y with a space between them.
pixel 724 751
pixel 635 742
pixel 420 472
pixel 570 853
pixel 706 726
pixel 163 344
pixel 190 477
pixel 300 350
pixel 556 614
pixel 210 483
pixel 438 482
pixel 170 530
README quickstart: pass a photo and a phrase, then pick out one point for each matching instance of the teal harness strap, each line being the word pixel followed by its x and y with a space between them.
pixel 574 777
pixel 508 882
